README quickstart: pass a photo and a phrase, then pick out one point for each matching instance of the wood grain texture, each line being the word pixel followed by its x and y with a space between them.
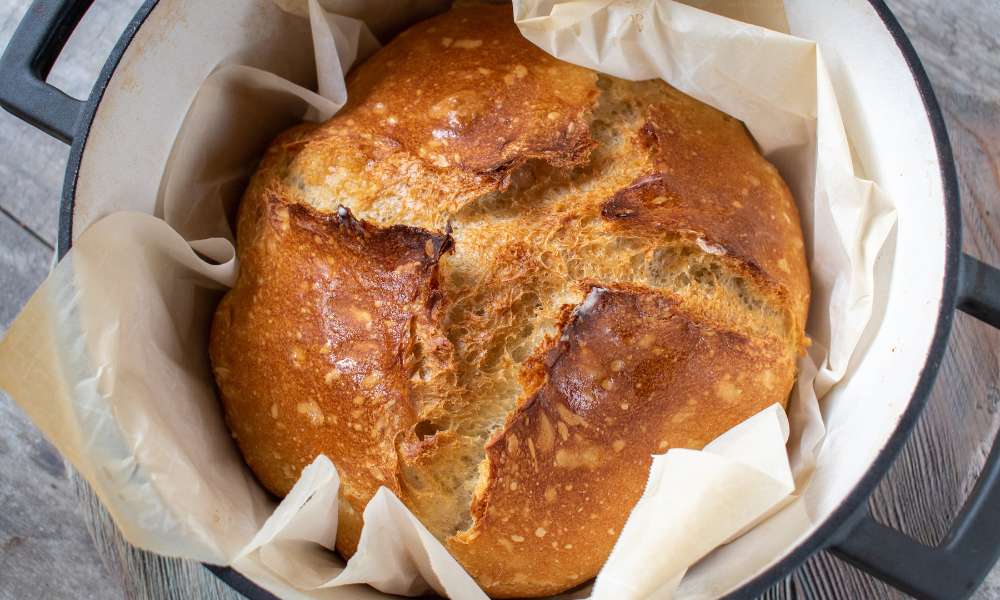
pixel 143 574
pixel 923 491
pixel 40 520
pixel 33 163
pixel 45 548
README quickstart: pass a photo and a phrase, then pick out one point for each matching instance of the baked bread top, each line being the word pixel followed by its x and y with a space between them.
pixel 497 283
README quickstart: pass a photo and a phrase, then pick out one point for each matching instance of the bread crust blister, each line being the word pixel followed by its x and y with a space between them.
pixel 497 284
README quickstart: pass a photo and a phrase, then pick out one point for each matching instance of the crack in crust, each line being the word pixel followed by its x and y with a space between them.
pixel 553 276
pixel 630 376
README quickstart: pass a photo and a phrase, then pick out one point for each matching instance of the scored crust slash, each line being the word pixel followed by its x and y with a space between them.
pixel 497 284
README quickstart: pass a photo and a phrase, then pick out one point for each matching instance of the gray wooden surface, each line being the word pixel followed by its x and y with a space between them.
pixel 56 542
pixel 46 550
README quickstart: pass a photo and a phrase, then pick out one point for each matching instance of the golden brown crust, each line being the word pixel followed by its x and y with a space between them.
pixel 470 102
pixel 708 182
pixel 450 344
pixel 477 98
pixel 631 375
pixel 312 348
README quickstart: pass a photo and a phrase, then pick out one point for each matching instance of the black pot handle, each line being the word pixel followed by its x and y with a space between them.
pixel 26 62
pixel 958 565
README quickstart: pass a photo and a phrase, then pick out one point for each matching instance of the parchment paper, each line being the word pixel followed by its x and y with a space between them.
pixel 109 357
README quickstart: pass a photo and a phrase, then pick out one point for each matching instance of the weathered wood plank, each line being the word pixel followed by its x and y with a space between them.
pixel 46 550
pixel 41 523
pixel 144 575
pixel 957 42
pixel 34 163
pixel 24 261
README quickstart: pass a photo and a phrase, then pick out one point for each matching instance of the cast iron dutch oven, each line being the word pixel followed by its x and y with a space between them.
pixel 953 569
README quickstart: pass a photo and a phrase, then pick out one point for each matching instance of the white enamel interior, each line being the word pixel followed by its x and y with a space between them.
pixel 183 40
pixel 893 144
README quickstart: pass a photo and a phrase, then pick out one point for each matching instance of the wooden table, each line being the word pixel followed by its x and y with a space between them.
pixel 57 542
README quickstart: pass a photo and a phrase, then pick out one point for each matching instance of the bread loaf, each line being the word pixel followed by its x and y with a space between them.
pixel 497 284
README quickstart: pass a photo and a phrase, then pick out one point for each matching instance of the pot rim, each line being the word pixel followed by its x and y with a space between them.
pixel 836 522
pixel 839 520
